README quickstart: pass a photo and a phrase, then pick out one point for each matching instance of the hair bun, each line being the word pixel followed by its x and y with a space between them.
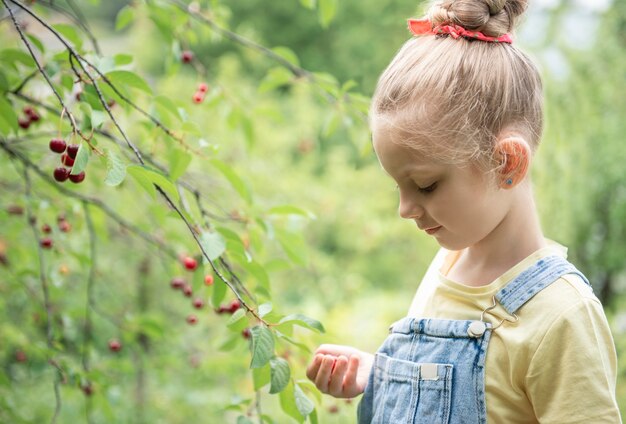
pixel 491 17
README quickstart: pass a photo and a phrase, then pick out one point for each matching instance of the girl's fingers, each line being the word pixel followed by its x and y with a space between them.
pixel 311 371
pixel 335 387
pixel 350 386
pixel 323 375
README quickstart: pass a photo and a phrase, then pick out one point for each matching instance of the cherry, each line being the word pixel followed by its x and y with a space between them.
pixel 208 280
pixel 20 356
pixel 234 305
pixel 15 210
pixel 46 243
pixel 198 97
pixel 333 409
pixel 46 228
pixel 57 145
pixel 221 310
pixel 115 345
pixel 177 283
pixel 190 263
pixel 186 56
pixel 78 178
pixel 66 160
pixel 246 333
pixel 198 303
pixel 192 319
pixel 61 174
pixel 72 150
pixel 23 122
pixel 65 226
pixel 32 115
pixel 203 87
pixel 87 389
pixel 187 290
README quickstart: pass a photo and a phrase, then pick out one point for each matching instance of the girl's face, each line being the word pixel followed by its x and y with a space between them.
pixel 459 206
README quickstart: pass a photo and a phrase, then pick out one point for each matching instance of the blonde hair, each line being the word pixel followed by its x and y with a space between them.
pixel 450 98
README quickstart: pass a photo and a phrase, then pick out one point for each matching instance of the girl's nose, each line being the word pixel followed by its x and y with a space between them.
pixel 409 208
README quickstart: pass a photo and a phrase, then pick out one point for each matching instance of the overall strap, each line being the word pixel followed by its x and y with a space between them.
pixel 534 279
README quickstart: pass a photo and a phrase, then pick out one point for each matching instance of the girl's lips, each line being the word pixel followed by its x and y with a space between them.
pixel 433 230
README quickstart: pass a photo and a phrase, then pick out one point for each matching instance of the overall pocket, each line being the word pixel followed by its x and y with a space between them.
pixel 409 392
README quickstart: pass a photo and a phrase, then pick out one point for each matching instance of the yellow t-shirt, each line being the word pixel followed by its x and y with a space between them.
pixel 557 364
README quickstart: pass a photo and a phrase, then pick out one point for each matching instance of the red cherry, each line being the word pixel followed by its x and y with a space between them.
pixel 61 174
pixel 31 113
pixel 177 283
pixel 246 333
pixel 186 56
pixel 46 228
pixel 23 123
pixel 78 178
pixel 20 356
pixel 198 97
pixel 66 160
pixel 57 145
pixel 221 310
pixel 46 243
pixel 87 389
pixel 203 87
pixel 234 305
pixel 198 303
pixel 190 263
pixel 187 290
pixel 115 345
pixel 65 226
pixel 208 280
pixel 192 319
pixel 72 150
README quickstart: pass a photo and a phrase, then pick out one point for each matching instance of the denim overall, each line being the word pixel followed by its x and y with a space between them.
pixel 432 371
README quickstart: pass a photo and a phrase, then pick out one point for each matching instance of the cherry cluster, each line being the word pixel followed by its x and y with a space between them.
pixel 198 96
pixel 68 155
pixel 30 116
pixel 64 226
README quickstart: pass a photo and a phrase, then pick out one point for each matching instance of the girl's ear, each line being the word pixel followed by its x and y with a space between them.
pixel 514 155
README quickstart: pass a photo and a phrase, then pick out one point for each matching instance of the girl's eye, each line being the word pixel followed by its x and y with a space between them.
pixel 428 189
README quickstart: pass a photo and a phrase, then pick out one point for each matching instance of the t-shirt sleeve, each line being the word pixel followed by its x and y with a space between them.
pixel 572 375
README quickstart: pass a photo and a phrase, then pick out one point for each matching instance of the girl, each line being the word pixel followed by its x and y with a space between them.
pixel 502 328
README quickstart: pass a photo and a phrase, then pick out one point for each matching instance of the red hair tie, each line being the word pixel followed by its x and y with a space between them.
pixel 424 26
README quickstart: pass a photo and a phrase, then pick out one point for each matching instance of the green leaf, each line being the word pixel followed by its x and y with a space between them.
pixel 304 321
pixel 219 291
pixel 121 59
pixel 235 318
pixel 8 118
pixel 124 17
pixel 327 10
pixel 233 179
pixel 280 375
pixel 309 4
pixel 213 244
pixel 288 403
pixel 168 105
pixel 290 210
pixel 69 33
pixel 242 419
pixel 10 56
pixel 116 169
pixel 262 346
pixel 300 346
pixel 293 245
pixel 81 160
pixel 303 403
pixel 265 309
pixel 148 177
pixel 128 79
pixel 179 161
pixel 37 42
pixel 287 54
pixel 276 77
pixel 261 376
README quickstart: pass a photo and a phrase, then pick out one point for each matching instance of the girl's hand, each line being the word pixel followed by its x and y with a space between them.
pixel 340 371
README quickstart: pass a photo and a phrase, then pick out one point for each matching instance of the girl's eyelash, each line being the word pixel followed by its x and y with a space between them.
pixel 428 189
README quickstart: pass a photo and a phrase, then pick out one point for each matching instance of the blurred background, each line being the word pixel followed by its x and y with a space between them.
pixel 356 265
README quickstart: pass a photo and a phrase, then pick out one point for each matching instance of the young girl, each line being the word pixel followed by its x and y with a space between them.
pixel 502 328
